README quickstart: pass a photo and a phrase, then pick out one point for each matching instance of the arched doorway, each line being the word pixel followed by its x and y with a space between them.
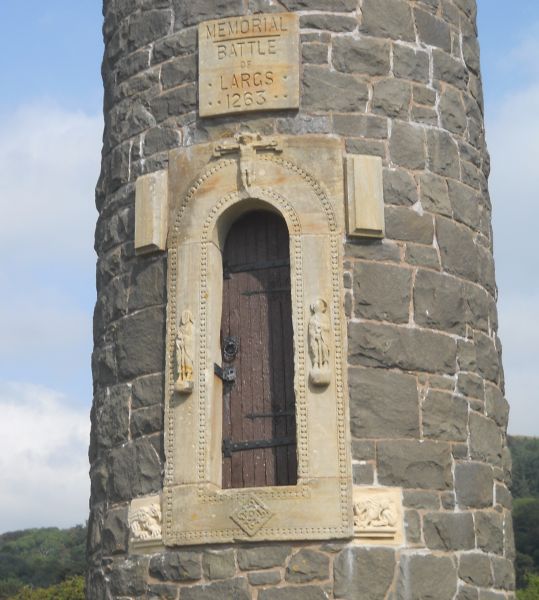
pixel 259 416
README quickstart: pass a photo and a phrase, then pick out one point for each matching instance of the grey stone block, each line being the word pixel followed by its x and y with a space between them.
pixel 363 474
pixel 325 90
pixel 382 292
pixel 146 421
pixel 383 404
pixel 449 69
pixel 237 588
pixel 439 302
pixel 443 154
pixel 191 13
pixel 176 566
pixel 328 22
pixel 115 535
pixel 364 56
pixel 412 527
pixel 307 565
pixel 388 18
pixel 449 532
pixel 179 71
pixel 140 343
pixel 452 113
pixel 178 44
pixel 475 569
pixel 148 26
pixel 392 98
pixel 445 416
pixel 147 391
pixel 412 464
pixel 263 557
pixel 174 102
pixel 411 64
pixel 422 256
pixel 264 577
pixel 407 146
pixel 424 577
pixel 408 225
pixel 489 529
pixel 504 573
pixel 218 564
pixel 474 485
pixel 457 249
pixel 359 125
pixel 128 578
pixel 135 470
pixel 485 440
pixel 432 31
pixel 306 592
pixel 471 385
pixel 435 194
pixel 421 500
pixel 363 573
pixel 399 187
pixel 465 203
pixel 335 6
pixel 112 417
pixel 314 53
pixel 390 346
pixel 467 592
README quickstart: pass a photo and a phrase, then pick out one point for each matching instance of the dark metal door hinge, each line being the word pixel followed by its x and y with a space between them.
pixel 228 374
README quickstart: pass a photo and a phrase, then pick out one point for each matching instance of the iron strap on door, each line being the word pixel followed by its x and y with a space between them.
pixel 230 447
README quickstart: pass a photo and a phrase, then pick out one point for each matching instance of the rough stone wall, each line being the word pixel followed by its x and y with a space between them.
pixel 395 78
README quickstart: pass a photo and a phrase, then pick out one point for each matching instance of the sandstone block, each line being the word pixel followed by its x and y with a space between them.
pixel 383 404
pixel 363 573
pixel 412 464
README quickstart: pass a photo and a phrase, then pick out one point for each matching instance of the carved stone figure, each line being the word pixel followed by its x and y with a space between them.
pixel 145 523
pixel 319 343
pixel 184 354
pixel 375 515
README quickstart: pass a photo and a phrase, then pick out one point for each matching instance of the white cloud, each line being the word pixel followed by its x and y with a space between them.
pixel 43 459
pixel 49 163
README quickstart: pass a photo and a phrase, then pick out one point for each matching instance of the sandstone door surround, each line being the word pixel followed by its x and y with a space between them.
pixel 306 180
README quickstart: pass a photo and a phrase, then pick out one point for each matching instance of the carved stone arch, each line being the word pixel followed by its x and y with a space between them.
pixel 203 212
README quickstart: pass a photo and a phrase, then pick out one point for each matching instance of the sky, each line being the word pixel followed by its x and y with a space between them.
pixel 50 143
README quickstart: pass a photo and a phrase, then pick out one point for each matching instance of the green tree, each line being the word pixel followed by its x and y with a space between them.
pixel 71 589
pixel 531 592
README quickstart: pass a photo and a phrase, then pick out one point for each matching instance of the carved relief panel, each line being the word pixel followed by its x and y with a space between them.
pixel 210 187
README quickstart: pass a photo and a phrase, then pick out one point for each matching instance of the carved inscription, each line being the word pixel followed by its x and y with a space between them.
pixel 249 63
pixel 251 515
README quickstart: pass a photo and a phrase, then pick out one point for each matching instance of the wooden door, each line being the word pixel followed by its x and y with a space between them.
pixel 259 422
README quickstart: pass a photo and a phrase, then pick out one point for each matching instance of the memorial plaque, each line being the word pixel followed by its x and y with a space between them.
pixel 248 63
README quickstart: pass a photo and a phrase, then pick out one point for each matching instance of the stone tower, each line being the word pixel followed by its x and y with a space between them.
pixel 298 391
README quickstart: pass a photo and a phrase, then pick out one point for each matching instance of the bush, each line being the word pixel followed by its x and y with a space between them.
pixel 531 592
pixel 71 589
